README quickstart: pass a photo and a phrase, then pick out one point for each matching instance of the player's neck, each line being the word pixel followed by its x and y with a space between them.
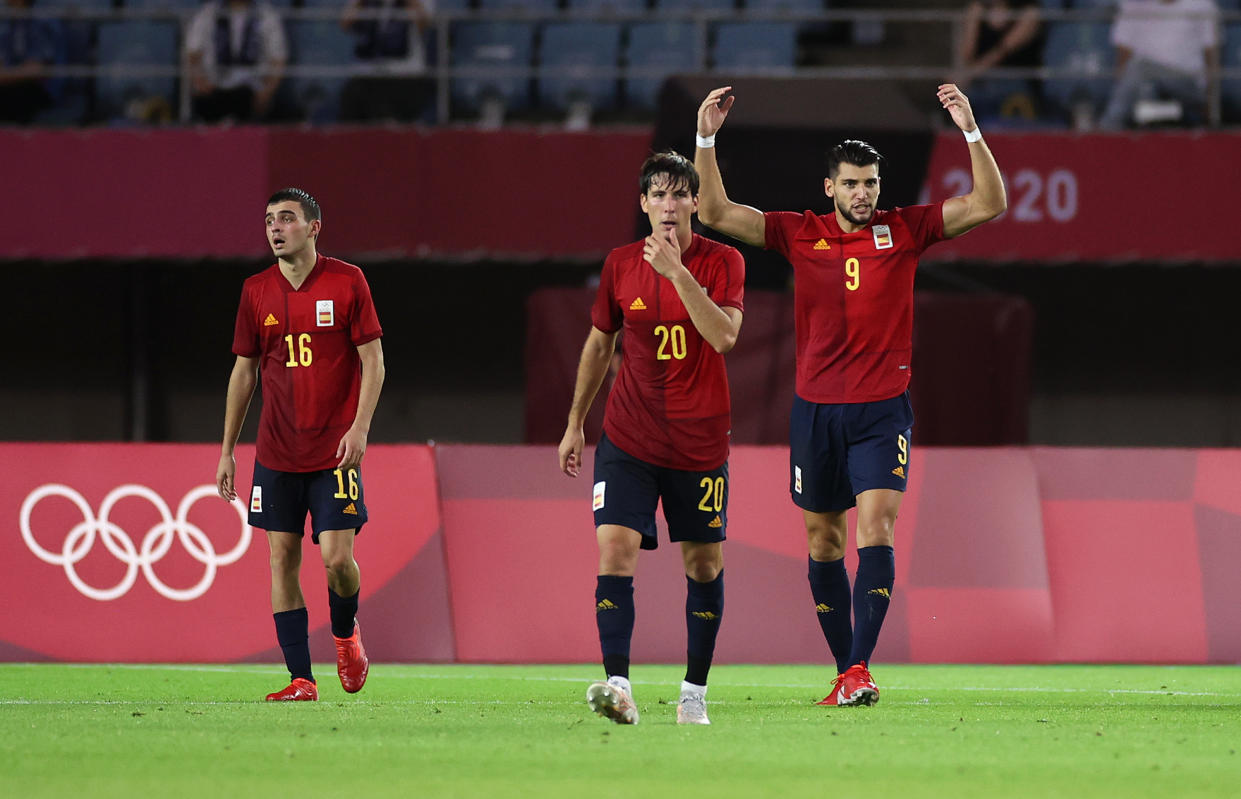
pixel 297 268
pixel 849 227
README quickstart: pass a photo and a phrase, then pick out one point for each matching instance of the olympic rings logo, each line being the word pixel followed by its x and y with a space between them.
pixel 155 544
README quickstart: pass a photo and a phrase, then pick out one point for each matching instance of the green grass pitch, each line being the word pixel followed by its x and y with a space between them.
pixel 146 731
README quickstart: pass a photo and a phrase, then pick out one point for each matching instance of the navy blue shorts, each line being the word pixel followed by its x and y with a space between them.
pixel 333 497
pixel 838 451
pixel 627 490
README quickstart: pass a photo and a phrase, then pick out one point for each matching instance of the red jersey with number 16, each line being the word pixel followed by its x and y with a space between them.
pixel 854 299
pixel 670 404
pixel 306 340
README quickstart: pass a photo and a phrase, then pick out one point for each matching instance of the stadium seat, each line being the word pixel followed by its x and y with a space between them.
pixel 755 46
pixel 669 47
pixel 1086 48
pixel 603 8
pixel 140 43
pixel 72 96
pixel 785 6
pixel 569 51
pixel 694 5
pixel 162 5
pixel 534 7
pixel 1230 58
pixel 318 43
pixel 490 51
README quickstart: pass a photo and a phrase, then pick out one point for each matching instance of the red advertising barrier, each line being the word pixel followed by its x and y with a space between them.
pixel 1005 555
pixel 1097 197
pixel 125 553
pixel 399 192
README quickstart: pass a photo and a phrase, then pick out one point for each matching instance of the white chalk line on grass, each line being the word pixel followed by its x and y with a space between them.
pixel 496 675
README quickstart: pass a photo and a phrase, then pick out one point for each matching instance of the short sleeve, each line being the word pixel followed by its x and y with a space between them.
pixel 778 224
pixel 364 326
pixel 245 331
pixel 605 314
pixel 729 288
pixel 925 223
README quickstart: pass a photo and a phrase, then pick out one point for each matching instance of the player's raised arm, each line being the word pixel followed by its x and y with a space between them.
pixel 986 200
pixel 715 210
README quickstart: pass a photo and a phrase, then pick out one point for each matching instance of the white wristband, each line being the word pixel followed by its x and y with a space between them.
pixel 705 142
pixel 972 135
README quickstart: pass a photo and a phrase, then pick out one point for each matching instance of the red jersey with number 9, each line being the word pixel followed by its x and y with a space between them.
pixel 670 404
pixel 854 298
pixel 306 340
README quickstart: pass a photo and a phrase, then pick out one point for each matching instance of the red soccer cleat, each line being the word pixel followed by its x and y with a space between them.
pixel 300 690
pixel 858 687
pixel 834 697
pixel 351 662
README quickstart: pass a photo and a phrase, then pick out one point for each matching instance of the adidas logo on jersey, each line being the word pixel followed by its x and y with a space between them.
pixel 714 523
pixel 270 320
pixel 823 608
pixel 822 244
pixel 351 509
pixel 637 305
pixel 899 471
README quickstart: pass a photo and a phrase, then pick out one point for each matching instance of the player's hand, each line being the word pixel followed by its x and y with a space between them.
pixel 224 476
pixel 958 105
pixel 351 448
pixel 571 451
pixel 663 252
pixel 714 110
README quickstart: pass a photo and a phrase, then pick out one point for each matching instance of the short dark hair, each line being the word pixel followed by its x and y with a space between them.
pixel 679 169
pixel 850 151
pixel 310 206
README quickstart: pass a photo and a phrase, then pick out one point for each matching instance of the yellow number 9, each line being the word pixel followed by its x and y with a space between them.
pixel 853 274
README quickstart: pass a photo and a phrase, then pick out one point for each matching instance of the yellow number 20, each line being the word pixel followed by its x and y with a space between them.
pixel 675 336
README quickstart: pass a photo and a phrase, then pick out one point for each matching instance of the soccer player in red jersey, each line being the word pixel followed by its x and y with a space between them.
pixel 308 326
pixel 849 432
pixel 677 299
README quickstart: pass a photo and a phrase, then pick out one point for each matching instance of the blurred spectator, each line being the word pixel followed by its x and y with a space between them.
pixel 999 33
pixel 391 45
pixel 236 52
pixel 28 47
pixel 1165 50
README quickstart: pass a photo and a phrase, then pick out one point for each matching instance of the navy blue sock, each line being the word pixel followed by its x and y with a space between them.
pixel 872 591
pixel 614 618
pixel 704 609
pixel 344 611
pixel 829 585
pixel 292 631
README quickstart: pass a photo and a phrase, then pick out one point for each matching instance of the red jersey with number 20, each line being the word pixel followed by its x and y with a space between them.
pixel 306 340
pixel 854 299
pixel 670 404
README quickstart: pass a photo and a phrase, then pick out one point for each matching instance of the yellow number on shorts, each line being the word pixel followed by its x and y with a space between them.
pixel 340 484
pixel 903 445
pixel 713 497
pixel 299 353
pixel 674 335
pixel 853 274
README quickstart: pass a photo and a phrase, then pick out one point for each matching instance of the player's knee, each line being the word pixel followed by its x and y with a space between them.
pixel 879 530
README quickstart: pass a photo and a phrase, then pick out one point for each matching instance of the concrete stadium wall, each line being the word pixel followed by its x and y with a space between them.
pixel 486 554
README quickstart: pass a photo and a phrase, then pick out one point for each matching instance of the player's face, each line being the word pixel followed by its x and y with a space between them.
pixel 288 232
pixel 669 207
pixel 855 192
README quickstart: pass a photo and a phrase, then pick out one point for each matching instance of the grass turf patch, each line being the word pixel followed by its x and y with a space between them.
pixel 525 731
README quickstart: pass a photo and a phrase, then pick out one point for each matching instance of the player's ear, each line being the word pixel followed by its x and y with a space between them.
pixel 642 203
pixel 315 226
pixel 827 186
